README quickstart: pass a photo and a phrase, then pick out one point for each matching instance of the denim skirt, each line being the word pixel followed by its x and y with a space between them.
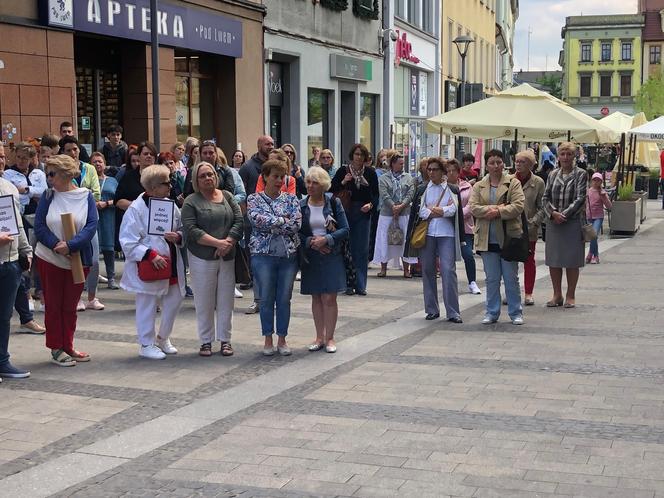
pixel 322 273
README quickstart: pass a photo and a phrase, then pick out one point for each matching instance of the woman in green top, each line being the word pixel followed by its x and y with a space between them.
pixel 212 225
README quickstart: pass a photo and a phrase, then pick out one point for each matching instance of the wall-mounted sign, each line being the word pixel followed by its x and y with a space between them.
pixel 424 89
pixel 350 68
pixel 404 50
pixel 414 92
pixel 450 95
pixel 189 28
pixel 276 84
pixel 85 123
pixel 59 13
pixel 604 111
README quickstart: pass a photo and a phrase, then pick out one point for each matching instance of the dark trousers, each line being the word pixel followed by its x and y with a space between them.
pixel 10 276
pixel 22 302
pixel 360 226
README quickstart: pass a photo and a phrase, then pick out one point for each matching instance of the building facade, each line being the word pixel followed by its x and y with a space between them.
pixel 653 37
pixel 601 61
pixel 507 13
pixel 477 19
pixel 414 67
pixel 89 62
pixel 323 75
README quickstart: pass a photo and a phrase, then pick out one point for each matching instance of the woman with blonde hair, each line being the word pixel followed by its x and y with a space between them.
pixel 54 264
pixel 533 190
pixel 156 251
pixel 326 160
pixel 324 228
pixel 295 170
pixel 563 205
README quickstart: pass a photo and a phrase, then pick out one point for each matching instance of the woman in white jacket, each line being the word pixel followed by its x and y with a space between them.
pixel 139 246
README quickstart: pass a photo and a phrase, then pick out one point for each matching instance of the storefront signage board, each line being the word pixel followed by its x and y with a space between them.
pixel 350 68
pixel 190 28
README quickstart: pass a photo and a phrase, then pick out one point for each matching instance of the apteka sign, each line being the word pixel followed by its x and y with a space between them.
pixel 189 28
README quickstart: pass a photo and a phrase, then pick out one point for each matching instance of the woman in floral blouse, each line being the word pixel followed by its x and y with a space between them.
pixel 275 219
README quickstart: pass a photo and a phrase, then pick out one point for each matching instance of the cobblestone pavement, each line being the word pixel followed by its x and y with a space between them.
pixel 569 404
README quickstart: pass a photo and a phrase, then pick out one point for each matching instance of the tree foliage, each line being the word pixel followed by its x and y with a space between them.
pixel 553 84
pixel 650 98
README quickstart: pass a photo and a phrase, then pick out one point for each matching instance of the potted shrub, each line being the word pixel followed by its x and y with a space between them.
pixel 626 211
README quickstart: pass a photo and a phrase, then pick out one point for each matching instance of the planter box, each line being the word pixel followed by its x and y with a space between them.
pixel 653 188
pixel 626 216
pixel 643 211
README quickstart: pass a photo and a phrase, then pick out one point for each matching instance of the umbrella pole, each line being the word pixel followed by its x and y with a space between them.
pixel 569 135
pixel 632 152
pixel 621 161
pixel 440 143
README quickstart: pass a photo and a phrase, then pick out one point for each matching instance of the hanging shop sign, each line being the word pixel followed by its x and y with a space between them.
pixel 194 29
pixel 350 68
pixel 404 50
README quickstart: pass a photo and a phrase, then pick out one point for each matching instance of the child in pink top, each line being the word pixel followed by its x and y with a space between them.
pixel 597 199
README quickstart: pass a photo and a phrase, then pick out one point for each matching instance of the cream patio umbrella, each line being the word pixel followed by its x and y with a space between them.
pixel 647 152
pixel 522 113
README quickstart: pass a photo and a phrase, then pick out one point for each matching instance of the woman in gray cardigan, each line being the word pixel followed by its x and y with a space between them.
pixel 396 190
pixel 212 225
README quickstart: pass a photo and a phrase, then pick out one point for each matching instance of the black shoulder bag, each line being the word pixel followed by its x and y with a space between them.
pixel 516 248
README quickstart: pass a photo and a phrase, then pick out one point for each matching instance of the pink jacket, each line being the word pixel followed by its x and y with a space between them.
pixel 596 201
pixel 465 189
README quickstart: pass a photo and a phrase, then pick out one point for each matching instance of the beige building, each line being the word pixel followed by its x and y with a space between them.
pixel 477 19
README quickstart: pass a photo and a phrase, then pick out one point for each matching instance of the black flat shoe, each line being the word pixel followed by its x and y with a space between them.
pixel 432 316
pixel 361 292
pixel 455 319
pixel 350 292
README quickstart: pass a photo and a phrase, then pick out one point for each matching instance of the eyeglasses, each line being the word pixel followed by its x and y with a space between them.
pixel 434 169
pixel 51 174
pixel 289 152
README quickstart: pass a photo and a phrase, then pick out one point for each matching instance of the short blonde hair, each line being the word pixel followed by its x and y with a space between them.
pixel 571 146
pixel 280 155
pixel 329 152
pixel 527 154
pixel 64 165
pixel 194 175
pixel 274 164
pixel 154 175
pixel 320 176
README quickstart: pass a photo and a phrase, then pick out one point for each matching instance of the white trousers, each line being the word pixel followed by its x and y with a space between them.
pixel 213 283
pixel 146 314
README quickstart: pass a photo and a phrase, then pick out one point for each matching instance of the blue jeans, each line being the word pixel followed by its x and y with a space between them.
pixel 275 277
pixel 21 300
pixel 597 225
pixel 360 227
pixel 496 268
pixel 10 276
pixel 468 258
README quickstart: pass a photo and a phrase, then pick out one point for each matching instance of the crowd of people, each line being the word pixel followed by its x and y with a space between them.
pixel 263 222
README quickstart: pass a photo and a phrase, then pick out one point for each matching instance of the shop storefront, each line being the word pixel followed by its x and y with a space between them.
pixel 415 96
pixel 97 70
pixel 320 97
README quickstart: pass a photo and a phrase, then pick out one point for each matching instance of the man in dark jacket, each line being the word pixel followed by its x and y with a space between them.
pixel 115 150
pixel 208 153
pixel 251 170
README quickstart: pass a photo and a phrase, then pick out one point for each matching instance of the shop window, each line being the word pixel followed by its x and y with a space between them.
pixel 626 85
pixel 98 100
pixel 605 85
pixel 194 97
pixel 400 9
pixel 606 52
pixel 586 52
pixel 368 121
pixel 655 54
pixel 427 16
pixel 318 134
pixel 585 82
pixel 626 51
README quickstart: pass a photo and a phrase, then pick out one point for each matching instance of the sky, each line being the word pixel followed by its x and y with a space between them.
pixel 546 18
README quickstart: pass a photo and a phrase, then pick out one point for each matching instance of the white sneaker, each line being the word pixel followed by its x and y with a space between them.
pixel 517 321
pixel 473 288
pixel 166 346
pixel 31 304
pixel 102 279
pixel 151 352
pixel 488 320
pixel 95 304
pixel 80 306
pixel 298 276
pixel 238 294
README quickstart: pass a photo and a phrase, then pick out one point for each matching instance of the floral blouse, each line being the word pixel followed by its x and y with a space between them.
pixel 273 221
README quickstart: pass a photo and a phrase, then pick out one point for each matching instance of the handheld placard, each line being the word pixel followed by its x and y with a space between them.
pixel 70 231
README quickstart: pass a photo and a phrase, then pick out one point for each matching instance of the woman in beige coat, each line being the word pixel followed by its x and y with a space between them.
pixel 495 199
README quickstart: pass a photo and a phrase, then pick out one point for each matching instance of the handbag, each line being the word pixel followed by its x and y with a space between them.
pixel 419 236
pixel 588 232
pixel 242 273
pixel 345 195
pixel 395 235
pixel 516 248
pixel 148 273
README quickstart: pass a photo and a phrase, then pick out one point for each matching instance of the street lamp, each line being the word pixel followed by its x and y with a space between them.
pixel 462 43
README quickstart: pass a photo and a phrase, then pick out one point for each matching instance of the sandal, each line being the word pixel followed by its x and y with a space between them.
pixel 62 359
pixel 226 349
pixel 554 304
pixel 316 346
pixel 381 274
pixel 206 349
pixel 407 274
pixel 78 355
pixel 569 304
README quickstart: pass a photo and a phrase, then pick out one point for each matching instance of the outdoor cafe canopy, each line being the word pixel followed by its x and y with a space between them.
pixel 529 113
pixel 652 131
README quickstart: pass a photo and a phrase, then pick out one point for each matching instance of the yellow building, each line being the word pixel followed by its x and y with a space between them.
pixel 601 61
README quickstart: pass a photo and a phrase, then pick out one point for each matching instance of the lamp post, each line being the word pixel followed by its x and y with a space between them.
pixel 462 43
pixel 154 39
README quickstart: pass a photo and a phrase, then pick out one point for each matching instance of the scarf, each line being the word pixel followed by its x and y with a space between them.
pixel 397 187
pixel 358 176
pixel 523 179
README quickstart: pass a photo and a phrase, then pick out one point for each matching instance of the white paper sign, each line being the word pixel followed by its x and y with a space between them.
pixel 8 221
pixel 161 216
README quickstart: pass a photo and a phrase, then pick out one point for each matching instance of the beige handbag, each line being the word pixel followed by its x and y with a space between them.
pixel 419 236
